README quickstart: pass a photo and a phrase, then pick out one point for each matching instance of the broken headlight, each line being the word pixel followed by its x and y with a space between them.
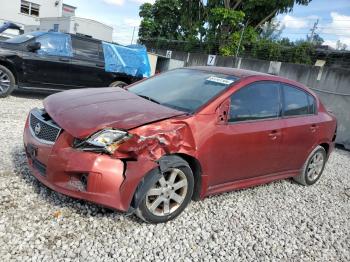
pixel 106 140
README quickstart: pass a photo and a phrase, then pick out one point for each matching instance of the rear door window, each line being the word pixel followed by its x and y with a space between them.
pixel 257 101
pixel 297 102
pixel 86 49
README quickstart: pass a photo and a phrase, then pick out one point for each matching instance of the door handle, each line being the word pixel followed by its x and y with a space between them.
pixel 64 60
pixel 274 134
pixel 313 128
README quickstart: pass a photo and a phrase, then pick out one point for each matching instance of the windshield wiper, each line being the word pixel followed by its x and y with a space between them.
pixel 149 98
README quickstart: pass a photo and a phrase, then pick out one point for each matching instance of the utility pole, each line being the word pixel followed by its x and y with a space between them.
pixel 133 33
pixel 313 29
pixel 240 40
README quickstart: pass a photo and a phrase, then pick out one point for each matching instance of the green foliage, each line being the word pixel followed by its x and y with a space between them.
pixel 217 26
pixel 301 52
pixel 271 30
pixel 249 38
pixel 266 49
pixel 224 29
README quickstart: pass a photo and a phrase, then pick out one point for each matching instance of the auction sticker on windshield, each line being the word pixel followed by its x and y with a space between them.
pixel 220 80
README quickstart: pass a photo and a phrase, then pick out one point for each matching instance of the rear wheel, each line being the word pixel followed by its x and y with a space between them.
pixel 168 196
pixel 313 167
pixel 120 84
pixel 7 82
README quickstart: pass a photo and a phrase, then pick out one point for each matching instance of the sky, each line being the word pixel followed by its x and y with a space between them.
pixel 333 16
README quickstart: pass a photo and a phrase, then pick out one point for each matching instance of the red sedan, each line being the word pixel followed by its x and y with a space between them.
pixel 185 134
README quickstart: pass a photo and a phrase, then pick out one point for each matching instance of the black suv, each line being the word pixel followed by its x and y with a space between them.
pixel 50 61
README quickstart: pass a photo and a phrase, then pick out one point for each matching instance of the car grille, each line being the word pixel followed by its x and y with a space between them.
pixel 42 128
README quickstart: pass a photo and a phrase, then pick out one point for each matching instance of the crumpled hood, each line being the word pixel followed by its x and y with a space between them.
pixel 82 112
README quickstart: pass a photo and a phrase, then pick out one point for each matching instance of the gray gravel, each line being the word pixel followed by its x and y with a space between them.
pixel 280 221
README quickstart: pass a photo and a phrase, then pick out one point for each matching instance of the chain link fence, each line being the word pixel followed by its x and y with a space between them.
pixel 300 54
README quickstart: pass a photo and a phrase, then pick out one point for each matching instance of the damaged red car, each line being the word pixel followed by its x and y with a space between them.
pixel 179 136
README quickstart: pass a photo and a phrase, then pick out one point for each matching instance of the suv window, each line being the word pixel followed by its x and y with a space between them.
pixel 297 102
pixel 257 101
pixel 54 44
pixel 86 49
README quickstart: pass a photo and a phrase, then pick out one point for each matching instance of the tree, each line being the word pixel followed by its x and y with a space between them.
pixel 223 26
pixel 316 39
pixel 271 30
pixel 160 19
pixel 257 12
pixel 340 46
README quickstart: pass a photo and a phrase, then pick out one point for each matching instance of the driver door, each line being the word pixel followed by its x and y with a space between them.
pixel 248 145
pixel 51 64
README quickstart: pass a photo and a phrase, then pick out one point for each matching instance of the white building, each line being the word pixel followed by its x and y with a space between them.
pixel 28 12
pixel 46 15
pixel 77 25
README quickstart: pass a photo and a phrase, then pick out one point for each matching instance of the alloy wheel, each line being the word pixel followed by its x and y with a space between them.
pixel 315 166
pixel 5 82
pixel 168 193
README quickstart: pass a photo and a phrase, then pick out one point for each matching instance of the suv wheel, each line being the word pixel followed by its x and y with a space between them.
pixel 7 81
pixel 168 196
pixel 313 167
pixel 120 84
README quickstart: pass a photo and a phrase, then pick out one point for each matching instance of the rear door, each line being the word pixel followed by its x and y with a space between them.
pixel 50 65
pixel 300 126
pixel 88 67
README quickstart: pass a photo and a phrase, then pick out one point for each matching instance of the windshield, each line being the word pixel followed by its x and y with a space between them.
pixel 23 38
pixel 183 89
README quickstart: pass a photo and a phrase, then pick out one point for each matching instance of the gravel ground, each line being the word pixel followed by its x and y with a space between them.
pixel 279 221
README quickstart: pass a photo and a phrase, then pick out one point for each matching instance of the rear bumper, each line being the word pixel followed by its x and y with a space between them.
pixel 83 175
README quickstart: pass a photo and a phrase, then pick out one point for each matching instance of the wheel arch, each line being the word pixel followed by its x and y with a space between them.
pixel 124 79
pixel 325 146
pixel 196 168
pixel 10 67
pixel 153 175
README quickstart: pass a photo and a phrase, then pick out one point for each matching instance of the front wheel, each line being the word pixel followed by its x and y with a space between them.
pixel 7 82
pixel 168 196
pixel 313 167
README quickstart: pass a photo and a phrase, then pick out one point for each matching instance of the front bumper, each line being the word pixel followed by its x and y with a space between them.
pixel 93 177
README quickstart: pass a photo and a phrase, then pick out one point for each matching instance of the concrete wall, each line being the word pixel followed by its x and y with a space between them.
pixel 153 62
pixel 332 85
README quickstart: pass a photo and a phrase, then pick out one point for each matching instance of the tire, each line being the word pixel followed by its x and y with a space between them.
pixel 7 82
pixel 120 84
pixel 313 167
pixel 165 199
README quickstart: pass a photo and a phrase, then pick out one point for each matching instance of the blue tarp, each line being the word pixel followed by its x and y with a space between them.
pixel 9 25
pixel 131 60
pixel 57 44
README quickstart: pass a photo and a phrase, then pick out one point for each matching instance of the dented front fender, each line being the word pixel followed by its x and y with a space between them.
pixel 158 139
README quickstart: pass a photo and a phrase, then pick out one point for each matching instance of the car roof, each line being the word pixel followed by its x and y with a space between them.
pixel 73 35
pixel 240 73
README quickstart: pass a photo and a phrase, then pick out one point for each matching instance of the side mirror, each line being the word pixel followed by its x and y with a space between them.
pixel 33 47
pixel 223 111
